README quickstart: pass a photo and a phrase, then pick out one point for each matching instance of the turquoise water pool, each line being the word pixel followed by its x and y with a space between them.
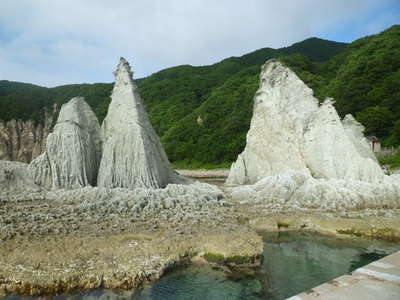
pixel 293 262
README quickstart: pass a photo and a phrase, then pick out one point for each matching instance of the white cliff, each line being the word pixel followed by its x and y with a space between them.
pixel 133 156
pixel 73 150
pixel 299 153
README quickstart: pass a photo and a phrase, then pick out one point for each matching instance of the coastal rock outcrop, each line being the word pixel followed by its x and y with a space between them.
pixel 299 152
pixel 133 156
pixel 73 150
pixel 24 140
pixel 14 180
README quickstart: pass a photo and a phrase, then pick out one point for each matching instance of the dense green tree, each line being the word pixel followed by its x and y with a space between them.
pixel 376 119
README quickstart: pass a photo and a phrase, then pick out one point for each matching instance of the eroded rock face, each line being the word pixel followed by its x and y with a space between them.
pixel 300 154
pixel 14 179
pixel 355 132
pixel 73 150
pixel 290 131
pixel 133 156
pixel 24 140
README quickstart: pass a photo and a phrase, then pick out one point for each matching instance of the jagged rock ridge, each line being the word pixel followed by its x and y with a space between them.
pixel 24 140
pixel 291 131
pixel 300 152
pixel 133 156
pixel 73 150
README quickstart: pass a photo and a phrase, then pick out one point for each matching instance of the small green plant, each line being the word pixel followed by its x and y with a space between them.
pixel 386 233
pixel 214 258
pixel 393 161
pixel 239 259
pixel 352 230
pixel 282 224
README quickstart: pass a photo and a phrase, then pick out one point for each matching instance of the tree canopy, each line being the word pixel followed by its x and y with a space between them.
pixel 363 78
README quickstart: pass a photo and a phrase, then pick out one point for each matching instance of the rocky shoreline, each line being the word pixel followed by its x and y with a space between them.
pixel 119 252
pixel 103 208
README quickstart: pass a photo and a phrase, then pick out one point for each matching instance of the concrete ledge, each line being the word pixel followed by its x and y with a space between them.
pixel 378 280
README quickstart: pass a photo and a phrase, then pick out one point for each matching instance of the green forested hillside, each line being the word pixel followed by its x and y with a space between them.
pixel 364 80
pixel 202 114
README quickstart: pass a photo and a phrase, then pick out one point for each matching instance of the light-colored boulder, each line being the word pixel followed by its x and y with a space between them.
pixel 14 177
pixel 133 156
pixel 73 150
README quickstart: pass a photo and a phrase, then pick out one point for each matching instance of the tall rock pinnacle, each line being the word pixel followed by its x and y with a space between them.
pixel 133 156
pixel 72 155
pixel 290 131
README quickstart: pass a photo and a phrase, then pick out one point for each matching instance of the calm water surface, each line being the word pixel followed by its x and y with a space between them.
pixel 293 262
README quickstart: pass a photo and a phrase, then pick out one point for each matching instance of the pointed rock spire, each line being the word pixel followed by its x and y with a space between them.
pixel 73 150
pixel 133 156
pixel 290 131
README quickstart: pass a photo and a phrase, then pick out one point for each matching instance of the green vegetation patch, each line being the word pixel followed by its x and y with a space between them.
pixel 383 233
pixel 240 259
pixel 220 259
pixel 282 224
pixel 214 258
pixel 393 162
pixel 352 231
pixel 202 114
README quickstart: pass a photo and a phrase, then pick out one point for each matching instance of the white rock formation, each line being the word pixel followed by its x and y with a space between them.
pixel 355 132
pixel 175 199
pixel 73 150
pixel 300 152
pixel 133 156
pixel 14 178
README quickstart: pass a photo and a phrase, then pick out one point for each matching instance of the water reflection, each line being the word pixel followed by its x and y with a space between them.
pixel 295 262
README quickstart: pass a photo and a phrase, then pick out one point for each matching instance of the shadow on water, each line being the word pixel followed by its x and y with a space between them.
pixel 293 262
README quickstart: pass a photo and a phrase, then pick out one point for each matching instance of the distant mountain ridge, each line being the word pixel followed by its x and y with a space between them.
pixel 221 94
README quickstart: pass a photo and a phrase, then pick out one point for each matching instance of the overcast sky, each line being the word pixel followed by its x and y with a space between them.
pixel 54 42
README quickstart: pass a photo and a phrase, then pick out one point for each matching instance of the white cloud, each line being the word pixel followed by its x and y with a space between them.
pixel 56 42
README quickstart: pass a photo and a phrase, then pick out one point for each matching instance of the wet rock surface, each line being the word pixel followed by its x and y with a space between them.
pixel 50 246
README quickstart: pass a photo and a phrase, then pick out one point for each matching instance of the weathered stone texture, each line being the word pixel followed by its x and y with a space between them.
pixel 133 156
pixel 73 150
pixel 24 140
pixel 299 152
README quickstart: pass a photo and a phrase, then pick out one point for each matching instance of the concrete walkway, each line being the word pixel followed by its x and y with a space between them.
pixel 379 280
